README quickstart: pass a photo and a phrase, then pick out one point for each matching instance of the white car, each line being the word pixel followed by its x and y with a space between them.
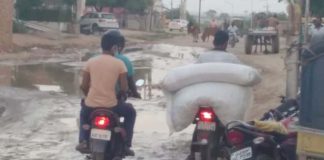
pixel 98 22
pixel 178 24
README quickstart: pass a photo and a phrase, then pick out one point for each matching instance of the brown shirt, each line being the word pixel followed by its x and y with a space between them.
pixel 104 73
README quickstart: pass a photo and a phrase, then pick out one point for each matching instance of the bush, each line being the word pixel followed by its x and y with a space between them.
pixel 37 10
pixel 317 7
pixel 46 15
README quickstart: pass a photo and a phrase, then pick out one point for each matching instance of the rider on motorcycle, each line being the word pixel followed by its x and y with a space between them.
pixel 219 53
pixel 232 31
pixel 100 77
pixel 130 69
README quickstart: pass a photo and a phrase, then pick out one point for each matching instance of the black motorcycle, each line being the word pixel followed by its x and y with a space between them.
pixel 207 136
pixel 108 136
pixel 246 142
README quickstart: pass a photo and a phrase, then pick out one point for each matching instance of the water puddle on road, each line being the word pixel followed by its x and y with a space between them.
pixel 44 77
pixel 56 77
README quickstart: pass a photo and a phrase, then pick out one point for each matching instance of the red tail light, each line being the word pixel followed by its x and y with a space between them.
pixel 235 137
pixel 102 122
pixel 206 115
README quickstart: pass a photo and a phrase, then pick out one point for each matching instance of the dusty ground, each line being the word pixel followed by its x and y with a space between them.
pixel 45 45
pixel 40 125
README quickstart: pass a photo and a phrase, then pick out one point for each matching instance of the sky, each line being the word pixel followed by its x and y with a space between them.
pixel 230 6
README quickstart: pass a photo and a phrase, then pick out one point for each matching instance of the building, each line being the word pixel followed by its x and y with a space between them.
pixel 6 14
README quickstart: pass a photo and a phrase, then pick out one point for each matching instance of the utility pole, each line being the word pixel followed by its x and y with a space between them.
pixel 183 10
pixel 252 16
pixel 232 6
pixel 267 7
pixel 171 9
pixel 292 60
pixel 307 14
pixel 199 22
pixel 81 4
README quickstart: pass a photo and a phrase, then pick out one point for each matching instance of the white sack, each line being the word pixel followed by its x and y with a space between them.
pixel 229 102
pixel 216 56
pixel 210 72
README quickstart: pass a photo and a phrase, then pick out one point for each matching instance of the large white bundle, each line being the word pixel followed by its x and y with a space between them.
pixel 228 100
pixel 210 72
pixel 215 56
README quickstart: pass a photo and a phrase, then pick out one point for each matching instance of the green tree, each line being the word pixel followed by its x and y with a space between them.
pixel 175 14
pixel 27 4
pixel 211 14
pixel 36 10
pixel 224 16
pixel 282 16
pixel 317 7
pixel 138 6
pixel 100 4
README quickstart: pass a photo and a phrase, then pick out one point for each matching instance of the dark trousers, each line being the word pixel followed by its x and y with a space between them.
pixel 123 109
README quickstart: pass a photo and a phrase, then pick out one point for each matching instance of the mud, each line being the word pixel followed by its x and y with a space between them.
pixel 41 100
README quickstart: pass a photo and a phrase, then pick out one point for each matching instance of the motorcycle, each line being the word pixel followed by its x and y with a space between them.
pixel 207 135
pixel 247 142
pixel 108 136
pixel 232 39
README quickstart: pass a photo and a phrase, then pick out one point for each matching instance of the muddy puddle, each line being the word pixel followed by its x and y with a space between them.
pixel 61 77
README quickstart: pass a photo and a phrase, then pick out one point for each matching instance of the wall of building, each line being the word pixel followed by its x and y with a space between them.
pixel 6 14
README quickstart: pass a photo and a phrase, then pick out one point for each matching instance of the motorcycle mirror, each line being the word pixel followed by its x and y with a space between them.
pixel 140 82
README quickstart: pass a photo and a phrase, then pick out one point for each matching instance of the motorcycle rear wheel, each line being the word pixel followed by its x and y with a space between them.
pixel 208 152
pixel 98 156
pixel 233 44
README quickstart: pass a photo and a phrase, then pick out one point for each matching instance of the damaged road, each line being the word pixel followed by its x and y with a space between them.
pixel 39 104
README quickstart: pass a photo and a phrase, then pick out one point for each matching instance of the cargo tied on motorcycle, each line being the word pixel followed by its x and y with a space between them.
pixel 268 139
pixel 208 99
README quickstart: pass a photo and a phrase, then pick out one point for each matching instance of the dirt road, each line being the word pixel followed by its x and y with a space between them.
pixel 39 102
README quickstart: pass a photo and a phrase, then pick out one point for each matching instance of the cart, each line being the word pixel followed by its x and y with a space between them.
pixel 262 38
pixel 310 144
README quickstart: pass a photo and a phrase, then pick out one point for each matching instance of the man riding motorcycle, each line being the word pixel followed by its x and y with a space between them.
pixel 130 69
pixel 100 77
pixel 233 31
pixel 219 53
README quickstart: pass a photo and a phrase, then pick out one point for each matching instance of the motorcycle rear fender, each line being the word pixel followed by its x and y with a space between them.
pixel 98 146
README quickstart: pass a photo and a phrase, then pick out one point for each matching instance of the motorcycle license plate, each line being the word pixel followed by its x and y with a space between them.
pixel 207 126
pixel 242 154
pixel 100 134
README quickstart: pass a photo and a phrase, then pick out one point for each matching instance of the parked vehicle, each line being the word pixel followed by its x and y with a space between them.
pixel 232 39
pixel 245 141
pixel 98 22
pixel 178 24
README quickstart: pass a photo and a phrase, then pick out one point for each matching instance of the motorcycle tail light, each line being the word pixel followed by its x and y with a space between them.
pixel 101 122
pixel 235 137
pixel 206 115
